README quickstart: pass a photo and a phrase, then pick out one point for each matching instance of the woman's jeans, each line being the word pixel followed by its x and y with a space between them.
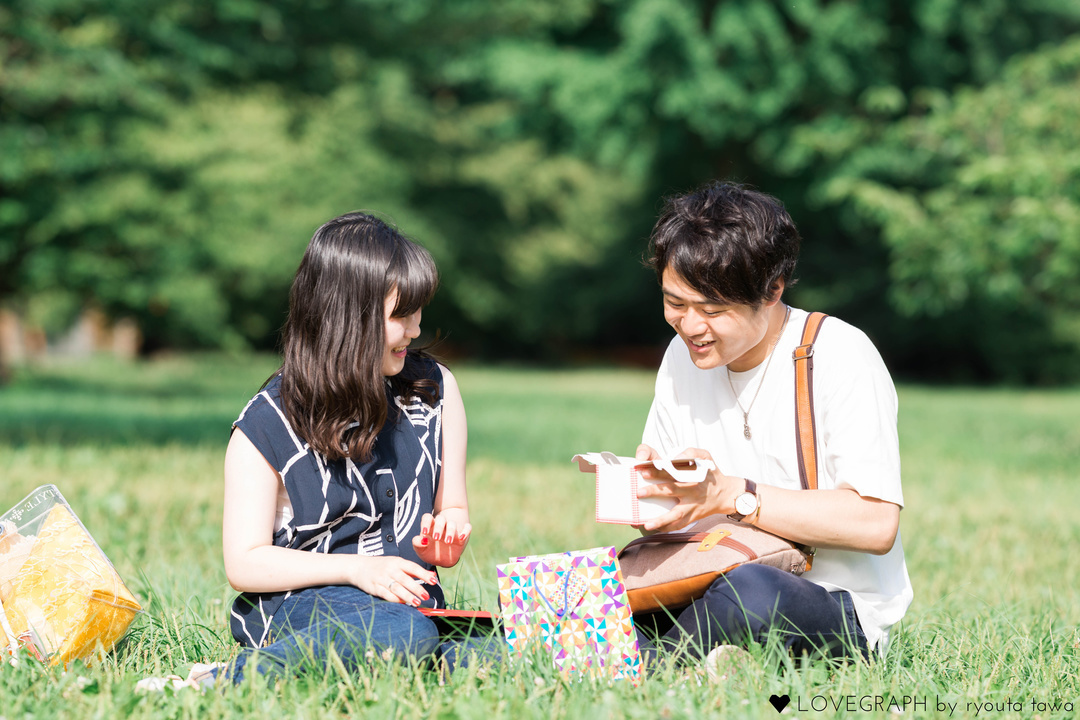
pixel 752 603
pixel 360 629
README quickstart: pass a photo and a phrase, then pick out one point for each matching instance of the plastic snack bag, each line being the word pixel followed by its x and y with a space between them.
pixel 61 598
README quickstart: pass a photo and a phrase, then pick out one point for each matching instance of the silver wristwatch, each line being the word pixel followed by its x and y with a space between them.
pixel 746 503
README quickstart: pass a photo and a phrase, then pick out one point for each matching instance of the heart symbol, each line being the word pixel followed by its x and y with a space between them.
pixel 560 594
pixel 779 702
pixel 576 587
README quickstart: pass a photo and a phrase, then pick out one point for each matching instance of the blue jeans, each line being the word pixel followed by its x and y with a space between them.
pixel 359 628
pixel 752 603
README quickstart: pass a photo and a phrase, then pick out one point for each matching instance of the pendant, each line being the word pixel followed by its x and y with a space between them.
pixel 746 429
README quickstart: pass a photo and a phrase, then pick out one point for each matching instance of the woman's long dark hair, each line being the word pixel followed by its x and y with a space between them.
pixel 333 391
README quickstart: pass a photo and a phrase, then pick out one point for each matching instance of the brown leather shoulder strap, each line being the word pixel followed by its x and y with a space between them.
pixel 805 428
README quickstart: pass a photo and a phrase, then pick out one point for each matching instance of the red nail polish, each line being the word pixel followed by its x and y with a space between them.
pixel 423 542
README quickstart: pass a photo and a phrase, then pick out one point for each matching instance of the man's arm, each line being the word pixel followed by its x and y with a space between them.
pixel 839 519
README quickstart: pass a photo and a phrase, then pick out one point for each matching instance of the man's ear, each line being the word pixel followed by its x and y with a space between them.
pixel 776 290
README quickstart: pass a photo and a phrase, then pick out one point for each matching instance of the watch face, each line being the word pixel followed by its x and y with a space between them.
pixel 746 503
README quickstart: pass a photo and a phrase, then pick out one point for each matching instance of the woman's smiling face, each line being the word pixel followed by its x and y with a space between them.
pixel 400 331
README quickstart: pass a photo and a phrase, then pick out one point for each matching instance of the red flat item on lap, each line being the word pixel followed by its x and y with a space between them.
pixel 460 620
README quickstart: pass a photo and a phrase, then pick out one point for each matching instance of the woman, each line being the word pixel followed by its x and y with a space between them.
pixel 345 485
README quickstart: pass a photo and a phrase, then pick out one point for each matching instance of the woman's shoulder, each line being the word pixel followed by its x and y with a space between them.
pixel 264 423
pixel 264 404
pixel 422 372
pixel 424 366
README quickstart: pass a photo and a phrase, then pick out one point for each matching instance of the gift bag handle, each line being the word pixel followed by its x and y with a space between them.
pixel 563 609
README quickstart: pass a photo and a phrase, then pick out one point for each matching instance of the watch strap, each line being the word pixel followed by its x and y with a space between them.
pixel 751 488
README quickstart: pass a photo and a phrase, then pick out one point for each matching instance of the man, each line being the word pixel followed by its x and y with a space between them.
pixel 726 391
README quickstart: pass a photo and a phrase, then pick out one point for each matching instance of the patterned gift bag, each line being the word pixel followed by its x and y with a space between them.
pixel 574 605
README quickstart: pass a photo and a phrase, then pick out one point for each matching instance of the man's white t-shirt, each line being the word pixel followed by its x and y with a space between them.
pixel 855 407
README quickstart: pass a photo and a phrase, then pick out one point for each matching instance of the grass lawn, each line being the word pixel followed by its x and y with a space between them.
pixel 989 529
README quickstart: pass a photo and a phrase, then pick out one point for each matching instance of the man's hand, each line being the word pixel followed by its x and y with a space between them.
pixel 645 453
pixel 694 501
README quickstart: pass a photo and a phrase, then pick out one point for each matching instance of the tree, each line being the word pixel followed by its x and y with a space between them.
pixel 665 94
pixel 86 214
pixel 978 203
pixel 527 144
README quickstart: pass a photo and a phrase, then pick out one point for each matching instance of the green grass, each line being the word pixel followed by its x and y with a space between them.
pixel 989 531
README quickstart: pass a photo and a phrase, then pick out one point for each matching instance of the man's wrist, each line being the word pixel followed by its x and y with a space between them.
pixel 734 487
pixel 753 519
pixel 746 502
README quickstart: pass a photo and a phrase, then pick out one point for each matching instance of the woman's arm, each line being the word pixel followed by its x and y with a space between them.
pixel 445 533
pixel 254 564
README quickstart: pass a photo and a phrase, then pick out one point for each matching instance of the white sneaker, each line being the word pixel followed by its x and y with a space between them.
pixel 200 677
pixel 723 660
pixel 158 684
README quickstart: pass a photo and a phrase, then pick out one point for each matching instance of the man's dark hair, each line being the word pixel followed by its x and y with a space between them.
pixel 728 242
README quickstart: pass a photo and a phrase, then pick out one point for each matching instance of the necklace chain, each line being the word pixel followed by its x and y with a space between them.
pixel 746 411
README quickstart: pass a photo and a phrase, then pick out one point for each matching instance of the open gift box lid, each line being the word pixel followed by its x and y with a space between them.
pixel 618 480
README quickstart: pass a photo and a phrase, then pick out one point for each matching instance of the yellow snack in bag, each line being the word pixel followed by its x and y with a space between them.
pixel 67 601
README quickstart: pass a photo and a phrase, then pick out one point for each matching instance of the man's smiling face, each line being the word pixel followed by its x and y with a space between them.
pixel 716 333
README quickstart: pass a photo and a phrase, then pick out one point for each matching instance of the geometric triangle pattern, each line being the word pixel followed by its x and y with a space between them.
pixel 574 605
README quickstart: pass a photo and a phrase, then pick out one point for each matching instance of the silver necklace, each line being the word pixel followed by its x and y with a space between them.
pixel 746 411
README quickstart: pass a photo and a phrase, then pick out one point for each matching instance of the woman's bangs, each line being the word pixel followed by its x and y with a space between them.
pixel 415 279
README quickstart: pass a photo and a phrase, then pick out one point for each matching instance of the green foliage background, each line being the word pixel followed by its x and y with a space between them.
pixel 168 161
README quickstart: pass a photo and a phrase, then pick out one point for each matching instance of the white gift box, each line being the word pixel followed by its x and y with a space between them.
pixel 618 480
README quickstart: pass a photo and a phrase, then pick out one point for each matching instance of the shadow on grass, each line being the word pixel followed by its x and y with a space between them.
pixel 71 428
pixel 131 388
pixel 189 401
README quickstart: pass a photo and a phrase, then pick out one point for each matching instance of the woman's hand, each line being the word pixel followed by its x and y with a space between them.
pixel 254 564
pixel 392 578
pixel 443 538
pixel 694 501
